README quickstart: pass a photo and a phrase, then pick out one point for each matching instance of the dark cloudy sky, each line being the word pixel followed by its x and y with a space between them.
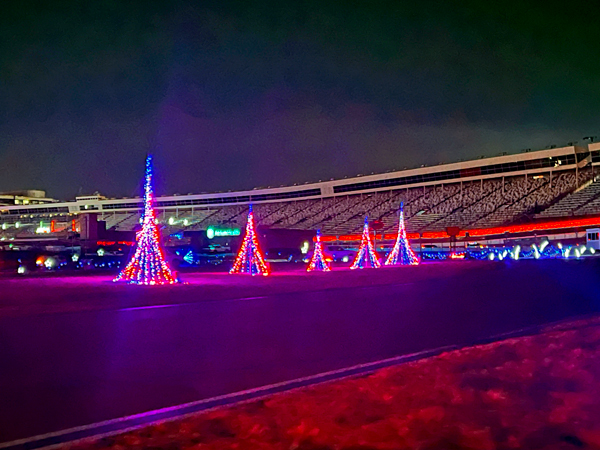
pixel 238 94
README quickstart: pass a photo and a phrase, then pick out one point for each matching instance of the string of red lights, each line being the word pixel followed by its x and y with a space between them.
pixel 148 265
pixel 250 259
pixel 318 261
pixel 366 257
pixel 402 254
pixel 481 232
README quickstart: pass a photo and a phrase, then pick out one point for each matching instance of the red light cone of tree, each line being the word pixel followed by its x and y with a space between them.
pixel 402 254
pixel 250 259
pixel 318 261
pixel 148 264
pixel 366 256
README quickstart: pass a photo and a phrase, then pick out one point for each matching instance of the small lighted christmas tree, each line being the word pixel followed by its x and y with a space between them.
pixel 148 264
pixel 366 256
pixel 402 254
pixel 318 261
pixel 250 259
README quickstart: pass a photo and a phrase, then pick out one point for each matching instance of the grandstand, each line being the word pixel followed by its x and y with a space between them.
pixel 487 192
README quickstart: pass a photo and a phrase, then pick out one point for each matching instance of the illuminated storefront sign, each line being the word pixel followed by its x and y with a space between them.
pixel 212 232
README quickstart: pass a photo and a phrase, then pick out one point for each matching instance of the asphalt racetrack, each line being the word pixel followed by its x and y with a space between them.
pixel 78 350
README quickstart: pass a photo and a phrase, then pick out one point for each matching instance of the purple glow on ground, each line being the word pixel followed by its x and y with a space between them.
pixel 82 349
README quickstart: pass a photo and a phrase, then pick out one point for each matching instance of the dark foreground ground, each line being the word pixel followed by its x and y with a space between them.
pixel 79 350
pixel 535 392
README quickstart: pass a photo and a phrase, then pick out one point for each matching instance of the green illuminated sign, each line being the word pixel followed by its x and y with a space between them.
pixel 212 232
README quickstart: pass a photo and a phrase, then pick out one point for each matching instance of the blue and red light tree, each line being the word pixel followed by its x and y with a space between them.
pixel 148 264
pixel 318 260
pixel 367 256
pixel 250 259
pixel 402 254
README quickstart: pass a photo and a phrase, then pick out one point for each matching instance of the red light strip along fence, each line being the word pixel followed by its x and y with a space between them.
pixel 480 232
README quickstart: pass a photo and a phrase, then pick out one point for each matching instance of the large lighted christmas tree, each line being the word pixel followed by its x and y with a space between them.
pixel 366 256
pixel 318 261
pixel 250 259
pixel 402 254
pixel 148 264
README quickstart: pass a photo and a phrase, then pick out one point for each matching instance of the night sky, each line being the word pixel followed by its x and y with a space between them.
pixel 234 95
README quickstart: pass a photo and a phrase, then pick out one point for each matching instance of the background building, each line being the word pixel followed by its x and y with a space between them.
pixel 501 191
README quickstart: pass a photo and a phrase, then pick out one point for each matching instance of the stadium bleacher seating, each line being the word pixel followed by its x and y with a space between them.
pixel 582 201
pixel 480 203
pixel 475 204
